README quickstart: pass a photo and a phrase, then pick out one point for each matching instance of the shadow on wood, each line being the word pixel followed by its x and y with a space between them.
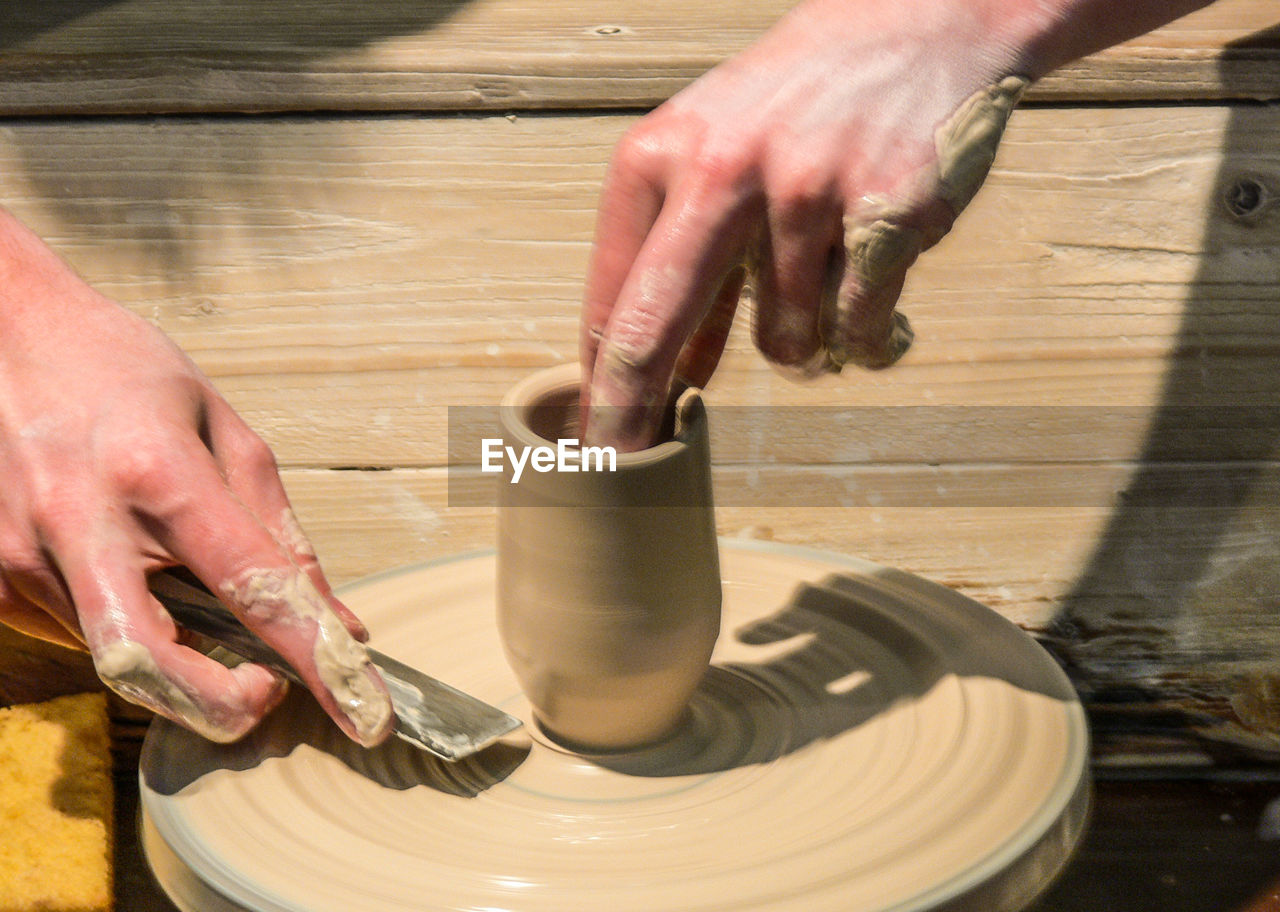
pixel 1172 847
pixel 23 20
pixel 217 38
pixel 236 28
pixel 1174 620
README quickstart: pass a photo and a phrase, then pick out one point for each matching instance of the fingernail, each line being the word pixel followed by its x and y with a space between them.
pixel 354 625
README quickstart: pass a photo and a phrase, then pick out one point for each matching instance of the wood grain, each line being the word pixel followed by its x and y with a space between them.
pixel 1164 615
pixel 149 56
pixel 1173 847
pixel 346 280
pixel 1060 443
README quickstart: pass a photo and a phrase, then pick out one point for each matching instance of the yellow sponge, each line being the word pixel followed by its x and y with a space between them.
pixel 55 806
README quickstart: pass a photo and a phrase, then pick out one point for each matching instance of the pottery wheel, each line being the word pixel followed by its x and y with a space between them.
pixel 864 740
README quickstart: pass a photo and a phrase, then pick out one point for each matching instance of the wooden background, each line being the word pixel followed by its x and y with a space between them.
pixel 354 216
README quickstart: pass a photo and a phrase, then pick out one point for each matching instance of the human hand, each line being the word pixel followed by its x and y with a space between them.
pixel 119 458
pixel 817 164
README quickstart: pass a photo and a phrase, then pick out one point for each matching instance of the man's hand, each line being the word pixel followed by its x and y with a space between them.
pixel 816 165
pixel 119 458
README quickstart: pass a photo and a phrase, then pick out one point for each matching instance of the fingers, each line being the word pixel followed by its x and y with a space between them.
pixel 249 469
pixel 692 247
pixel 702 352
pixel 825 292
pixel 136 652
pixel 691 187
pixel 195 519
pixel 174 503
pixel 862 327
pixel 629 204
pixel 789 282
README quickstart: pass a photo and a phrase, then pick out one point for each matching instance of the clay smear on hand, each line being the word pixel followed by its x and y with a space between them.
pixel 881 245
pixel 285 599
pixel 967 143
pixel 129 669
pixel 292 536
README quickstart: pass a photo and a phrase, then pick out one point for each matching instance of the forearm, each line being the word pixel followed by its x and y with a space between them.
pixel 1051 33
pixel 1023 37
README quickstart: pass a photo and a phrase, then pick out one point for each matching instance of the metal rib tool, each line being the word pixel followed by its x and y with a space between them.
pixel 429 713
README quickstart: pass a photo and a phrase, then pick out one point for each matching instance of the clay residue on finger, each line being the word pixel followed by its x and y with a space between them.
pixel 896 344
pixel 129 669
pixel 966 144
pixel 881 250
pixel 275 597
pixel 292 536
pixel 631 426
pixel 878 253
pixel 881 353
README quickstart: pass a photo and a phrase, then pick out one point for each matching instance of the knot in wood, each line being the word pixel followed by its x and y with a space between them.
pixel 1245 197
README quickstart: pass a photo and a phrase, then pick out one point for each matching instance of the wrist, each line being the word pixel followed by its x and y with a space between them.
pixel 979 41
pixel 1043 35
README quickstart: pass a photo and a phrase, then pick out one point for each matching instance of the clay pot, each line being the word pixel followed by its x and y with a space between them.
pixel 608 581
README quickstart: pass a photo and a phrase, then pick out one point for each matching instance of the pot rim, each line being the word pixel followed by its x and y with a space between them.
pixel 538 386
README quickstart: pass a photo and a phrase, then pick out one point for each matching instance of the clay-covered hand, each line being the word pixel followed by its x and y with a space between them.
pixel 119 458
pixel 816 165
pixel 824 159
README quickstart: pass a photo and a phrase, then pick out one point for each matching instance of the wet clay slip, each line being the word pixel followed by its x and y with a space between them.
pixel 608 583
pixel 864 741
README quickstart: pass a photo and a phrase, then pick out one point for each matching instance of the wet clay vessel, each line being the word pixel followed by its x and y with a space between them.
pixel 608 580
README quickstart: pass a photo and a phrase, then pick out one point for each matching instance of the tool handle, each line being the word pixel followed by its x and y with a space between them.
pixel 196 608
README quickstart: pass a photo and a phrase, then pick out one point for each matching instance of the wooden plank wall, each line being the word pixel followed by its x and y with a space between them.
pixel 409 229
pixel 95 56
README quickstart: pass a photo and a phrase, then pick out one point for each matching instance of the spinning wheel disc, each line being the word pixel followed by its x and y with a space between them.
pixel 864 740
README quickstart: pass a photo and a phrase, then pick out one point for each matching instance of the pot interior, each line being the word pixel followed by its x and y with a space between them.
pixel 554 415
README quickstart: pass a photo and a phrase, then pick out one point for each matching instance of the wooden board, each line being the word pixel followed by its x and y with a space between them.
pixel 146 56
pixel 1174 847
pixel 1019 558
pixel 346 280
pixel 1164 615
